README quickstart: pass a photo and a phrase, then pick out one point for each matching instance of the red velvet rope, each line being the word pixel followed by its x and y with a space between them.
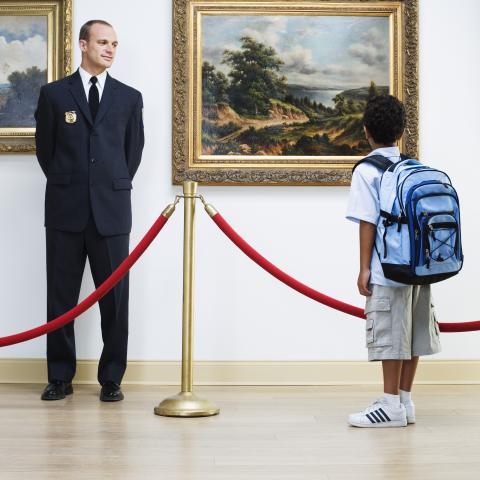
pixel 310 292
pixel 102 290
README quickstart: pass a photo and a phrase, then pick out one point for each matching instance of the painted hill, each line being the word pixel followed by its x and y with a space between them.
pixel 360 94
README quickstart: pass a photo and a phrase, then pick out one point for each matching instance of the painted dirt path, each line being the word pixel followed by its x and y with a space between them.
pixel 247 123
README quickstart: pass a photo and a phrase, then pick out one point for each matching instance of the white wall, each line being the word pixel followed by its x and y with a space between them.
pixel 242 312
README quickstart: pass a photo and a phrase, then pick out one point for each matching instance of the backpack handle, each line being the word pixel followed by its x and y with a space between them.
pixel 404 160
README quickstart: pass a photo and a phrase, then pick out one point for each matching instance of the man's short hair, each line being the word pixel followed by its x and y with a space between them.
pixel 384 118
pixel 85 30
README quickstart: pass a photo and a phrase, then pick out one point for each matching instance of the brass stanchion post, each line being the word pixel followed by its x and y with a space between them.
pixel 186 403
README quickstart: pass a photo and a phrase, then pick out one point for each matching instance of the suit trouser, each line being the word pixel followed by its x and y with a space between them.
pixel 66 256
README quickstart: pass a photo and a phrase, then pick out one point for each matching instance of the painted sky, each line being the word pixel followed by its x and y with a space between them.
pixel 321 51
pixel 23 44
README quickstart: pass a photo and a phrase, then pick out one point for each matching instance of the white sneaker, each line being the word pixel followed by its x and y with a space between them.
pixel 410 409
pixel 379 415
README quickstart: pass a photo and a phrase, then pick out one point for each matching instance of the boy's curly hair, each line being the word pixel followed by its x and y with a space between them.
pixel 384 118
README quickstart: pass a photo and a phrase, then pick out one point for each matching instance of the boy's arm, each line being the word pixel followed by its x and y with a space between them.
pixel 367 238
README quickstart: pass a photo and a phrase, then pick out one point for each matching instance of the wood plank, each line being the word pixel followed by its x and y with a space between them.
pixel 276 433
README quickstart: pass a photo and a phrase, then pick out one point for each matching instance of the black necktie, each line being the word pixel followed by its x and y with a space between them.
pixel 93 97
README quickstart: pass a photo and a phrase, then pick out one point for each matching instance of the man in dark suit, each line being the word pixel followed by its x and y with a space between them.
pixel 89 141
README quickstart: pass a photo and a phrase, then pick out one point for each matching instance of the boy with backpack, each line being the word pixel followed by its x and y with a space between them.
pixel 399 217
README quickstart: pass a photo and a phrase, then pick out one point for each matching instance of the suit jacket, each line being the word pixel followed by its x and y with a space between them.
pixel 89 165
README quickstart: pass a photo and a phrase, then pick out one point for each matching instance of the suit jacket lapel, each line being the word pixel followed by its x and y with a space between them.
pixel 107 98
pixel 78 92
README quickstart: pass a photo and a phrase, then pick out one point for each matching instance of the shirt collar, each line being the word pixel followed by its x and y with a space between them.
pixel 85 76
pixel 389 152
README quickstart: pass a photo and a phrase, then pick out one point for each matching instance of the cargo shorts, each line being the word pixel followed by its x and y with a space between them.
pixel 401 323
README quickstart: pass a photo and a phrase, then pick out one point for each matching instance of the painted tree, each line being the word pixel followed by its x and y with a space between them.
pixel 340 106
pixel 23 96
pixel 254 77
pixel 373 90
pixel 214 85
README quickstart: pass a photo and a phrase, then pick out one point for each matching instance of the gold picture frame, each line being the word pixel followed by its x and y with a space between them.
pixel 231 133
pixel 37 43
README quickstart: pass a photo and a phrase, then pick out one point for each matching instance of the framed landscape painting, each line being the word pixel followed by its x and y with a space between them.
pixel 35 48
pixel 273 92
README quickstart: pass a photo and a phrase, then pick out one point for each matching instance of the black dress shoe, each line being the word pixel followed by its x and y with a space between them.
pixel 56 390
pixel 111 392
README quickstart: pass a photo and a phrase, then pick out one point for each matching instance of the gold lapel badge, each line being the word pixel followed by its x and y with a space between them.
pixel 71 117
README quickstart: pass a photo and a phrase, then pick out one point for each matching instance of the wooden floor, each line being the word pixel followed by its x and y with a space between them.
pixel 273 433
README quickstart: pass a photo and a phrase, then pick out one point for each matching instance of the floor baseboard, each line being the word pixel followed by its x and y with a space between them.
pixel 250 372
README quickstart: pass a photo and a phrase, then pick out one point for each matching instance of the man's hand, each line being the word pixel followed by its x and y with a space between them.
pixel 362 282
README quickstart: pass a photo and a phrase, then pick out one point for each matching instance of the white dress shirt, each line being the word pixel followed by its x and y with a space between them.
pixel 85 76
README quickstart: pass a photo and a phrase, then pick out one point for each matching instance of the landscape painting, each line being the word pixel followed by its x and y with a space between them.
pixel 290 85
pixel 35 48
pixel 23 68
pixel 272 92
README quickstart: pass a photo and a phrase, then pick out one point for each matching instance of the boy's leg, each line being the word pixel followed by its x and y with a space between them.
pixel 425 341
pixel 392 371
pixel 409 369
pixel 388 410
pixel 385 310
pixel 387 336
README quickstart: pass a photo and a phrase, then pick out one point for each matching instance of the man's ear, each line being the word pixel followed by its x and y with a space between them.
pixel 83 45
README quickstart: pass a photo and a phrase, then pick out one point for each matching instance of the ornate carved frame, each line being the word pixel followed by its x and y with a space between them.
pixel 59 57
pixel 187 164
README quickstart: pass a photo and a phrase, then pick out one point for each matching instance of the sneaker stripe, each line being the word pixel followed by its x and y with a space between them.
pixel 370 418
pixel 384 414
pixel 377 416
pixel 383 417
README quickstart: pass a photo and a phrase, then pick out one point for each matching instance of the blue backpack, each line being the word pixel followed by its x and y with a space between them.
pixel 419 222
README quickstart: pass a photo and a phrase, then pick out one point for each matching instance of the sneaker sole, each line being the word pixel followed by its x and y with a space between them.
pixel 391 424
pixel 410 420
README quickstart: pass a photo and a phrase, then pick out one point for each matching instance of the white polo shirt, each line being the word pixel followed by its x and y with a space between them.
pixel 364 204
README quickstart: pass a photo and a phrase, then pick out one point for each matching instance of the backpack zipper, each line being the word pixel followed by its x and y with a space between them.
pixel 418 170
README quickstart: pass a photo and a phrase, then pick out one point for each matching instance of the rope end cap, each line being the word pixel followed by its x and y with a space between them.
pixel 210 210
pixel 169 209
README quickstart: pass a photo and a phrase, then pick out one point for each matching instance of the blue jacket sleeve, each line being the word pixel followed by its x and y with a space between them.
pixel 134 138
pixel 45 131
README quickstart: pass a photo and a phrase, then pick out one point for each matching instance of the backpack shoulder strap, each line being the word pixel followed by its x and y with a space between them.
pixel 379 161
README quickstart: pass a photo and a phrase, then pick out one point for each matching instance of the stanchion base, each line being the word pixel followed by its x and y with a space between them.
pixel 186 404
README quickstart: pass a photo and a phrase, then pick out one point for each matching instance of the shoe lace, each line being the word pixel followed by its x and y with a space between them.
pixel 374 405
